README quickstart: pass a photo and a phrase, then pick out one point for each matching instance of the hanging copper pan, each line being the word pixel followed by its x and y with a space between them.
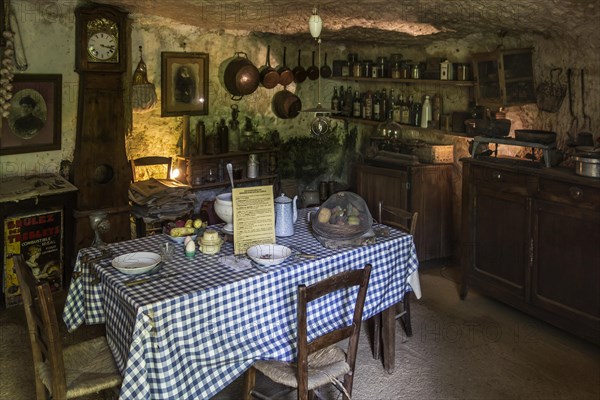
pixel 286 104
pixel 269 77
pixel 299 71
pixel 286 76
pixel 313 70
pixel 241 76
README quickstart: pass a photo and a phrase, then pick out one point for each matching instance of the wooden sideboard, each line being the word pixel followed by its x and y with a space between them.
pixel 425 188
pixel 531 239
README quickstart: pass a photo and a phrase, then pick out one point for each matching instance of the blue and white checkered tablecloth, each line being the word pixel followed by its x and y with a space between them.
pixel 187 336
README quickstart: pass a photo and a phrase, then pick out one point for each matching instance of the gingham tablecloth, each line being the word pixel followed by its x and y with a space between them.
pixel 189 335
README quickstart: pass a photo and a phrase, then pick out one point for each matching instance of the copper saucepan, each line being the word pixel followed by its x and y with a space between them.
pixel 299 71
pixel 269 77
pixel 286 76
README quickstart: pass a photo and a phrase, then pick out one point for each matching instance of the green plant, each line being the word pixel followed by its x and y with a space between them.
pixel 307 157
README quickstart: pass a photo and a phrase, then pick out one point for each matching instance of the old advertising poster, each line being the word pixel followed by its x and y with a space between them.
pixel 38 237
pixel 253 217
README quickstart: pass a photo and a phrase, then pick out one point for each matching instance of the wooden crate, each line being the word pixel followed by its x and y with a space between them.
pixel 435 153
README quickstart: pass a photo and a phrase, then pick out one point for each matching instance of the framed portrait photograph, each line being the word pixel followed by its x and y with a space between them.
pixel 35 119
pixel 184 86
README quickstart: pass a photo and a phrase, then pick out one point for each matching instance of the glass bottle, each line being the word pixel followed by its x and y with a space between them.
pixel 377 106
pixel 348 102
pixel 368 105
pixel 436 111
pixel 335 100
pixel 356 105
pixel 383 105
pixel 234 129
pixel 425 113
pixel 341 101
pixel 223 132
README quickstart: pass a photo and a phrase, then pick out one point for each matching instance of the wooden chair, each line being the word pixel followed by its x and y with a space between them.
pixel 405 221
pixel 61 373
pixel 149 162
pixel 319 362
pixel 141 228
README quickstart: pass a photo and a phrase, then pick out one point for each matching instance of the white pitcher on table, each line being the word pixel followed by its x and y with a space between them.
pixel 286 215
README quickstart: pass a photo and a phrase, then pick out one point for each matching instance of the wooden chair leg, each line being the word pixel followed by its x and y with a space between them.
pixel 388 338
pixel 249 382
pixel 405 315
pixel 377 336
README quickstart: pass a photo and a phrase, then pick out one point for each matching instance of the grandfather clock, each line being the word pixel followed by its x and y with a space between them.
pixel 100 168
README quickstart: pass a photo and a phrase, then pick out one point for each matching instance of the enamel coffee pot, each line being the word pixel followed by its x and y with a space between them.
pixel 286 215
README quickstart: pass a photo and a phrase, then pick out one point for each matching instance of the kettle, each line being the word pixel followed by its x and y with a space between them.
pixel 286 215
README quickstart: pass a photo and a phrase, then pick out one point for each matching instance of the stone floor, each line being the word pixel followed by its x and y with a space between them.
pixel 472 349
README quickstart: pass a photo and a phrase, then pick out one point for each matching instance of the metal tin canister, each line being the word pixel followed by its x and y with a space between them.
pixel 252 171
pixel 462 72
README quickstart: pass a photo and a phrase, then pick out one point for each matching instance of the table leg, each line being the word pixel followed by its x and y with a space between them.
pixel 388 338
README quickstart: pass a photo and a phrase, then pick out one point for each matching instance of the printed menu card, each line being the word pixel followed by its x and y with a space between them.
pixel 253 217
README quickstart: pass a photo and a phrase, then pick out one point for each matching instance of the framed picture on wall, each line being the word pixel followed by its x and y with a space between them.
pixel 35 119
pixel 184 87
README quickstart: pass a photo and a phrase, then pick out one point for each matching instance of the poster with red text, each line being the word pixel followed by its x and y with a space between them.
pixel 39 238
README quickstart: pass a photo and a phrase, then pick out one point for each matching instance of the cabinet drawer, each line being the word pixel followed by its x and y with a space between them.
pixel 569 193
pixel 501 180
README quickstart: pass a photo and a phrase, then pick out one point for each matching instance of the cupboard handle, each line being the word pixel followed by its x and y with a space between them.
pixel 575 192
pixel 497 175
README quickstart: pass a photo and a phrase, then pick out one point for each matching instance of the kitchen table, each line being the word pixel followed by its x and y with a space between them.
pixel 193 330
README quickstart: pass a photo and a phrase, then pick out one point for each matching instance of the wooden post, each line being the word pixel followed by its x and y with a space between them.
pixel 185 143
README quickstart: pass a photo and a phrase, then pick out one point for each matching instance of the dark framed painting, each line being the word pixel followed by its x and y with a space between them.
pixel 184 86
pixel 35 116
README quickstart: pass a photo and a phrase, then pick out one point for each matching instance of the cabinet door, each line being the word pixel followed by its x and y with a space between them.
pixel 566 272
pixel 374 184
pixel 500 223
pixel 486 71
pixel 517 78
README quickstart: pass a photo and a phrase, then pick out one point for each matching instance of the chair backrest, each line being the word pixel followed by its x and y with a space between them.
pixel 151 161
pixel 43 329
pixel 343 280
pixel 397 217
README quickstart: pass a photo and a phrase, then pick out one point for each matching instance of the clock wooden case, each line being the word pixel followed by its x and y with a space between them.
pixel 101 39
pixel 101 171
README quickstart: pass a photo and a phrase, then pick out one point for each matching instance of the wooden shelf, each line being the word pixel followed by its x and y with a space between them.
pixel 236 181
pixel 405 81
pixel 231 154
pixel 404 126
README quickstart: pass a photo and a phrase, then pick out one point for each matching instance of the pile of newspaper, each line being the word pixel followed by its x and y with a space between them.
pixel 160 200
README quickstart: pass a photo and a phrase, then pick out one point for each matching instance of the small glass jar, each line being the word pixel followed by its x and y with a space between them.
pixel 396 70
pixel 405 70
pixel 415 73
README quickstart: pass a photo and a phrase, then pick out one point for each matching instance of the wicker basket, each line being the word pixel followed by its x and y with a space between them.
pixel 435 154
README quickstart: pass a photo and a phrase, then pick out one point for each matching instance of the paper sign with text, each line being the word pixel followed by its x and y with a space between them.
pixel 253 217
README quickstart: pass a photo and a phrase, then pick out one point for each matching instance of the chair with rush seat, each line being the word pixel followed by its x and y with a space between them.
pixel 61 373
pixel 405 221
pixel 151 161
pixel 319 362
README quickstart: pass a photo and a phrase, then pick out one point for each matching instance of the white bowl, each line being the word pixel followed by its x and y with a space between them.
pixel 269 254
pixel 224 209
pixel 181 239
pixel 136 263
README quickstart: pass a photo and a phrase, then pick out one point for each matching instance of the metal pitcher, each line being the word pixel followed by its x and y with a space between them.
pixel 286 215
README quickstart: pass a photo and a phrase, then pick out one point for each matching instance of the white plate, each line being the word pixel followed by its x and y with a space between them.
pixel 269 254
pixel 181 239
pixel 136 263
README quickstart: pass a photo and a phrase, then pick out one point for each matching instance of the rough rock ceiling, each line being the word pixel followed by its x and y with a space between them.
pixel 381 21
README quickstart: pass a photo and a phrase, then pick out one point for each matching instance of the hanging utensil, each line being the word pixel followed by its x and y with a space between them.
pixel 299 71
pixel 325 69
pixel 230 173
pixel 587 121
pixel 286 76
pixel 573 127
pixel 269 77
pixel 550 94
pixel 313 70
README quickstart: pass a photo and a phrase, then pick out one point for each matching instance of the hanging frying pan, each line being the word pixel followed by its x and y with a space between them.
pixel 299 71
pixel 313 71
pixel 286 76
pixel 269 77
pixel 325 69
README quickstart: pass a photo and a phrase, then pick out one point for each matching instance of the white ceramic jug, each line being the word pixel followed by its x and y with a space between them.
pixel 286 215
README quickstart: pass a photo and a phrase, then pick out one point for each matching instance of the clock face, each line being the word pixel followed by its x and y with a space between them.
pixel 103 46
